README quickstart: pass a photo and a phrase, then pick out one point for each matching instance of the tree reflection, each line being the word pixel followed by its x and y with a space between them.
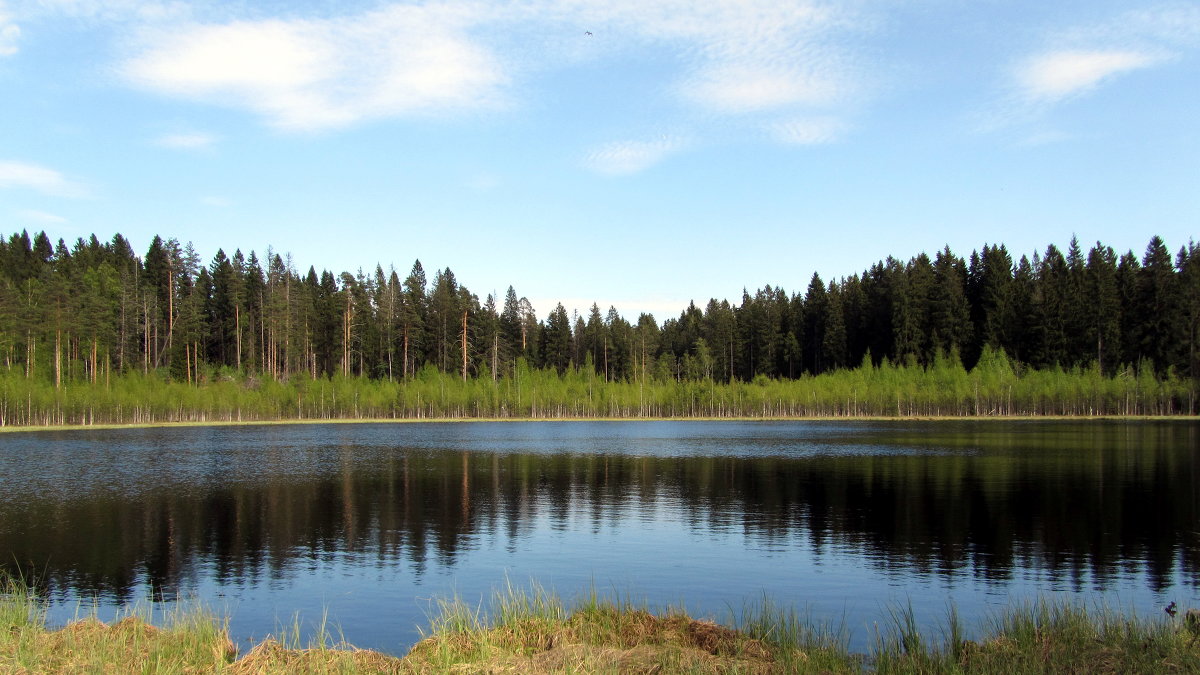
pixel 986 504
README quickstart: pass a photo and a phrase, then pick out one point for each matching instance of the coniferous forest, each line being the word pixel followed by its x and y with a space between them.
pixel 92 332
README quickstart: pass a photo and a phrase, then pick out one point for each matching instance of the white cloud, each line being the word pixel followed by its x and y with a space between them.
pixel 740 88
pixel 734 57
pixel 745 56
pixel 41 217
pixel 118 10
pixel 33 177
pixel 808 130
pixel 10 32
pixel 626 157
pixel 1081 59
pixel 1058 75
pixel 186 141
pixel 1172 24
pixel 319 74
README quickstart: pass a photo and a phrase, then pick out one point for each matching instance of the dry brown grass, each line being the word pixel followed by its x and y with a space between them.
pixel 128 645
pixel 600 640
pixel 531 632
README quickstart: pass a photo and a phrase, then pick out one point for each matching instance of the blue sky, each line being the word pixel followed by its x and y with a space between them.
pixel 627 152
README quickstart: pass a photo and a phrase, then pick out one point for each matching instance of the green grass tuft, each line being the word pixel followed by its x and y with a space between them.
pixel 530 630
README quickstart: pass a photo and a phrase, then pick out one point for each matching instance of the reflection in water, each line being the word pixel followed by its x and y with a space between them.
pixel 1076 501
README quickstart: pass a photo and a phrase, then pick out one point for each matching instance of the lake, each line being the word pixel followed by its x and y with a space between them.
pixel 369 523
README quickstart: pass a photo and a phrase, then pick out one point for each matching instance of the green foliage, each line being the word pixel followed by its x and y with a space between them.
pixel 996 386
pixel 94 313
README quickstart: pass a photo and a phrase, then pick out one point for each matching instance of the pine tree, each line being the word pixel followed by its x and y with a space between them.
pixel 1128 272
pixel 816 313
pixel 556 339
pixel 950 313
pixel 1160 307
pixel 1102 302
pixel 1189 285
pixel 412 318
pixel 833 343
pixel 1052 293
pixel 512 338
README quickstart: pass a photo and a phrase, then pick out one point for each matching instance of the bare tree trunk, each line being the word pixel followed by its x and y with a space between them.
pixel 347 316
pixel 170 304
pixel 145 336
pixel 464 346
pixel 287 324
pixel 262 335
pixel 237 327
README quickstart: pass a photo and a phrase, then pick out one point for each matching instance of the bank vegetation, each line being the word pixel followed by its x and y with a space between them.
pixel 533 631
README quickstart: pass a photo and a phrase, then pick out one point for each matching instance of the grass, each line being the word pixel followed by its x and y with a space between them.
pixel 476 420
pixel 531 630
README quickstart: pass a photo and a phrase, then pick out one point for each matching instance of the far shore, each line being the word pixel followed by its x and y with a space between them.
pixel 474 420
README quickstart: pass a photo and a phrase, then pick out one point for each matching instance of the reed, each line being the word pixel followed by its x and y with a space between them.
pixel 531 630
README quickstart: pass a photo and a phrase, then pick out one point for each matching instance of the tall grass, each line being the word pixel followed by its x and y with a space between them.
pixel 996 386
pixel 531 630
pixel 188 639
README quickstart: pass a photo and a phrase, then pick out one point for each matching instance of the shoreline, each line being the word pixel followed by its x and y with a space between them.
pixel 492 420
pixel 531 630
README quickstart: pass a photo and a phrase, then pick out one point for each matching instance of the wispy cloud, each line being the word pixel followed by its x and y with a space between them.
pixel 749 55
pixel 1076 61
pixel 119 10
pixel 186 141
pixel 808 130
pixel 216 201
pixel 626 157
pixel 10 33
pixel 1054 76
pixel 734 57
pixel 1172 24
pixel 319 74
pixel 15 174
pixel 41 217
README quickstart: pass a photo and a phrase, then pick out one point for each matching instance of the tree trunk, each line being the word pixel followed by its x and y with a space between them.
pixel 237 327
pixel 170 305
pixel 145 336
pixel 464 346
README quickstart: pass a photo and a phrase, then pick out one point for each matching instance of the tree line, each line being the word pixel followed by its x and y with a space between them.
pixel 92 310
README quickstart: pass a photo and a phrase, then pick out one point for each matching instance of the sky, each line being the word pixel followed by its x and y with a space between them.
pixel 630 153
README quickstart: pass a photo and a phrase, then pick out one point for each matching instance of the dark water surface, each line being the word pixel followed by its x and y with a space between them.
pixel 368 523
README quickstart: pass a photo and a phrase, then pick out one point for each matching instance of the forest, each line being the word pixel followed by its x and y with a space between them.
pixel 93 332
